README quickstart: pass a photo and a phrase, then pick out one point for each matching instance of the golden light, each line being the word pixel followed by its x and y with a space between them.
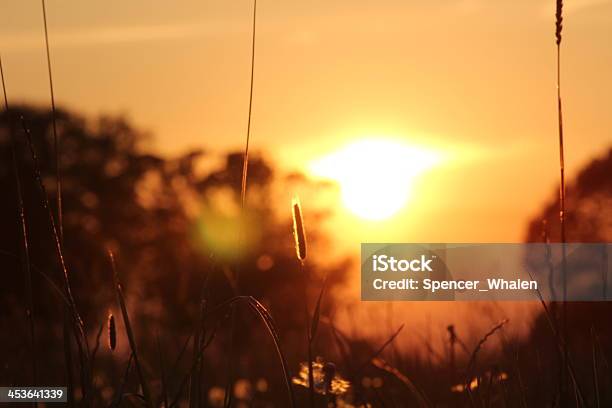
pixel 375 175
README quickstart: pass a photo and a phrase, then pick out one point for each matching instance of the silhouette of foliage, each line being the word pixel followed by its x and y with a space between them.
pixel 176 230
pixel 589 207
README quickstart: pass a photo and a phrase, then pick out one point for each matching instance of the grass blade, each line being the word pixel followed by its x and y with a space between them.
pixel 56 141
pixel 381 348
pixel 163 373
pixel 418 395
pixel 483 340
pixel 317 312
pixel 77 323
pixel 595 374
pixel 119 395
pixel 245 163
pixel 261 312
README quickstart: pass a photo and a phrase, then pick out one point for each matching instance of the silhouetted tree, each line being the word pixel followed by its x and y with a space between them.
pixel 589 219
pixel 588 203
pixel 177 233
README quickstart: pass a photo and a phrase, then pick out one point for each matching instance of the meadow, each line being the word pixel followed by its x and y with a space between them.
pixel 140 279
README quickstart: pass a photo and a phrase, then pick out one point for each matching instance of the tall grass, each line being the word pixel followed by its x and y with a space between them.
pixel 72 319
pixel 299 236
pixel 560 344
pixel 128 329
pixel 162 371
pixel 59 203
pixel 562 214
pixel 243 191
pixel 25 250
pixel 418 395
pixel 245 163
pixel 266 318
pixel 56 141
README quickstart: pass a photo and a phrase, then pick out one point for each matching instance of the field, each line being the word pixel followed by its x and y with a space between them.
pixel 227 275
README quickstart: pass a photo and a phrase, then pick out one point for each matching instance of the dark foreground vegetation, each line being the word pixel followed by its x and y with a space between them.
pixel 204 295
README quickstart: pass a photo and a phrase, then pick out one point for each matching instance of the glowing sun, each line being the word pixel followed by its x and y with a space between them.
pixel 375 175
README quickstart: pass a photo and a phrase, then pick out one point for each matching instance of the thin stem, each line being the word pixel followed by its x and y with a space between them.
pixel 68 357
pixel 562 222
pixel 54 232
pixel 164 383
pixel 245 163
pixel 129 332
pixel 245 166
pixel 56 141
pixel 311 390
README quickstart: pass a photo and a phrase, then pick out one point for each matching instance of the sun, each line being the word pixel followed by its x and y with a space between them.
pixel 375 175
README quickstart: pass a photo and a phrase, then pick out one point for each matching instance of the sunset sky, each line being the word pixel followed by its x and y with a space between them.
pixel 473 80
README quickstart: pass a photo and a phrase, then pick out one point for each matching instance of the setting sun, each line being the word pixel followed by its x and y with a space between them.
pixel 375 175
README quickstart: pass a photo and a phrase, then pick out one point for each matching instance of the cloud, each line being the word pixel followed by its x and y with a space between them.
pixel 25 41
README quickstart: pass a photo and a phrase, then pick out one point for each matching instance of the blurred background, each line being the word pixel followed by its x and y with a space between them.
pixel 393 122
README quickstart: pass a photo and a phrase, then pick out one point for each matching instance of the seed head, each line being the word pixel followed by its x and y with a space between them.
pixel 559 21
pixel 112 332
pixel 299 234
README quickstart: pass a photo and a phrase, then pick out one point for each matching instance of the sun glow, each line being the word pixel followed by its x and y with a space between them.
pixel 375 175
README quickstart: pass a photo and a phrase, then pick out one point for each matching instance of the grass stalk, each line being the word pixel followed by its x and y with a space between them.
pixel 562 213
pixel 195 391
pixel 299 236
pixel 94 352
pixel 245 162
pixel 129 332
pixel 195 379
pixel 68 357
pixel 595 371
pixel 311 392
pixel 243 190
pixel 56 141
pixel 604 272
pixel 549 263
pixel 164 383
pixel 77 322
pixel 382 348
pixel 263 314
pixel 483 340
pixel 559 342
pixel 418 395
pixel 119 395
pixel 25 250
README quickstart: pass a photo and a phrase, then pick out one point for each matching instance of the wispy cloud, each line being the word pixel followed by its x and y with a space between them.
pixel 25 41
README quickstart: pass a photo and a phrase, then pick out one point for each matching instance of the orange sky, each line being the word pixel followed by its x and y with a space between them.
pixel 473 77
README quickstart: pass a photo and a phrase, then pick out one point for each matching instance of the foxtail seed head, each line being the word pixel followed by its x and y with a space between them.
pixel 112 332
pixel 559 21
pixel 299 234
